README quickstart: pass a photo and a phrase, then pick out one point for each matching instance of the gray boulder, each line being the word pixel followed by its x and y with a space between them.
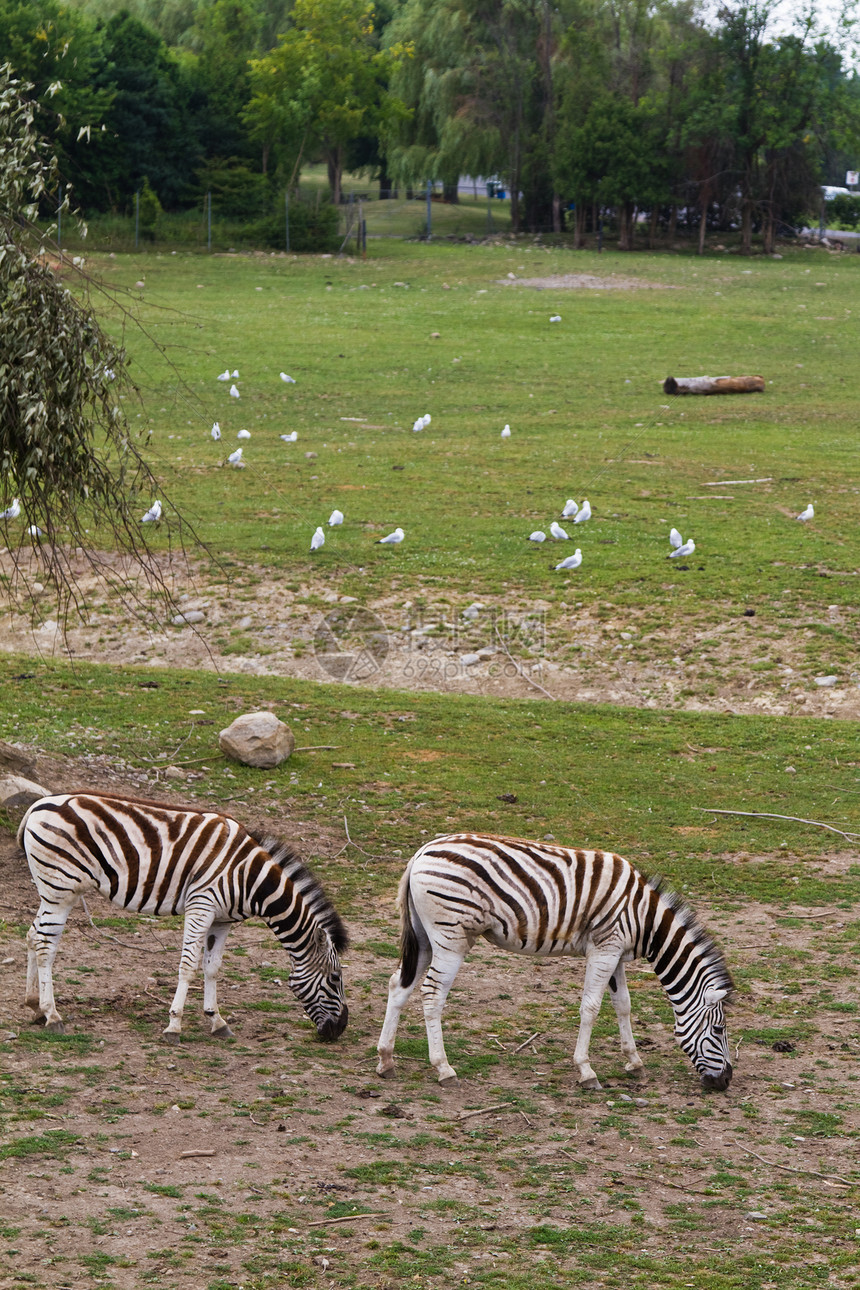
pixel 257 739
pixel 16 791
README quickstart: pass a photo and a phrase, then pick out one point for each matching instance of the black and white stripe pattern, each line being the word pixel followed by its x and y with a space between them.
pixel 157 859
pixel 534 898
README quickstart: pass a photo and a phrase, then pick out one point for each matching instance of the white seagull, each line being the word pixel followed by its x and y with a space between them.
pixel 234 393
pixel 572 561
pixel 288 380
pixel 225 375
pixel 570 509
pixel 11 512
pixel 506 432
pixel 335 518
pixel 318 539
pixel 35 531
pixel 537 536
pixel 555 318
pixel 557 531
pixel 808 514
pixel 244 434
pixel 235 458
pixel 153 514
pixel 675 538
pixel 687 549
pixel 290 438
pixel 393 538
pixel 235 374
pixel 584 512
pixel 216 430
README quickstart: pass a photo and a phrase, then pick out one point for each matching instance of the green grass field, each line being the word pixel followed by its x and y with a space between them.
pixel 588 418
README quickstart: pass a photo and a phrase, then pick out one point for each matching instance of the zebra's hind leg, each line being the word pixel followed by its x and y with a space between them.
pixel 599 967
pixel 43 940
pixel 398 996
pixel 445 965
pixel 620 996
pixel 212 955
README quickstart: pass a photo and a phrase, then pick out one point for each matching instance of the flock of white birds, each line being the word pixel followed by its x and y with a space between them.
pixel 571 510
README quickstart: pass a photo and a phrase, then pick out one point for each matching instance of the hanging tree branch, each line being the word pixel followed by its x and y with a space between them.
pixel 73 480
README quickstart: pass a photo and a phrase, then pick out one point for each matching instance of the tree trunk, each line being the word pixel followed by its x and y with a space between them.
pixel 385 189
pixel 451 193
pixel 579 226
pixel 557 222
pixel 713 385
pixel 746 226
pixel 703 225
pixel 265 158
pixel 335 168
pixel 625 226
pixel 673 224
pixel 652 230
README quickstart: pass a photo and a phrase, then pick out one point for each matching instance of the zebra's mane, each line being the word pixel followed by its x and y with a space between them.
pixel 712 954
pixel 311 888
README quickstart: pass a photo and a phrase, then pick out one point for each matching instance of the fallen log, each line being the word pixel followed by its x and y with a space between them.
pixel 713 385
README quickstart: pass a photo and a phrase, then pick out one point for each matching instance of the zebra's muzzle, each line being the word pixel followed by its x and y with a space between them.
pixel 718 1083
pixel 334 1027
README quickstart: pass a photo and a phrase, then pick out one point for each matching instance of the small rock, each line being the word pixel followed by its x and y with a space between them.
pixel 15 790
pixel 507 797
pixel 435 335
pixel 789 770
pixel 549 837
pixel 310 456
pixel 173 772
pixel 257 739
pixel 190 616
pixel 756 1215
pixel 469 660
pixel 825 681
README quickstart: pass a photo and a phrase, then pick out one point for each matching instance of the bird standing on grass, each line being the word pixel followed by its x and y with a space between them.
pixel 571 561
pixel 393 538
pixel 675 538
pixel 11 512
pixel 153 515
pixel 216 430
pixel 290 438
pixel 808 514
pixel 335 518
pixel 235 458
pixel 318 539
pixel 558 532
pixel 506 432
pixel 234 393
pixel 537 536
pixel 687 549
pixel 570 509
pixel 584 512
pixel 288 380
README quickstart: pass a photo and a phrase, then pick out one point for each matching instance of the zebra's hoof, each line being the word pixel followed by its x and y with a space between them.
pixel 170 1037
pixel 592 1085
pixel 55 1028
pixel 223 1032
pixel 388 1073
pixel 450 1081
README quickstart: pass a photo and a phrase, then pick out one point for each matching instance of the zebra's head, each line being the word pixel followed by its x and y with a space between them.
pixel 702 1035
pixel 317 982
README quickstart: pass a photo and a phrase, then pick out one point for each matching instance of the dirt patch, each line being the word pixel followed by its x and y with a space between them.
pixel 592 654
pixel 288 1134
pixel 586 282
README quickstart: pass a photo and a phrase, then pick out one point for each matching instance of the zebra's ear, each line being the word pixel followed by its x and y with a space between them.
pixel 713 995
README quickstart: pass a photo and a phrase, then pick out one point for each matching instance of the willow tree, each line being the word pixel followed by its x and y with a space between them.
pixel 72 479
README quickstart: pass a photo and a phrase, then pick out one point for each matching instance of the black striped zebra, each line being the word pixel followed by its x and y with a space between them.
pixel 532 898
pixel 158 859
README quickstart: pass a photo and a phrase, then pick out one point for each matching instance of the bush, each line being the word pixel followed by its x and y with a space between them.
pixel 149 211
pixel 844 210
pixel 237 191
pixel 313 227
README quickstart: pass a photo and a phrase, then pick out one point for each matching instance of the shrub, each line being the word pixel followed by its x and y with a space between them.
pixel 313 227
pixel 845 210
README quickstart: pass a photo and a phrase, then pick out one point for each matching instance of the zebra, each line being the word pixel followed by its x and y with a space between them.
pixel 159 859
pixel 534 898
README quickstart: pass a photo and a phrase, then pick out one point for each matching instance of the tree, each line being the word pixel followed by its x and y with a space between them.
pixel 68 463
pixel 321 87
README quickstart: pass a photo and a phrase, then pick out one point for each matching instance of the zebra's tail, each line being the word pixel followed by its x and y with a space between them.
pixel 412 934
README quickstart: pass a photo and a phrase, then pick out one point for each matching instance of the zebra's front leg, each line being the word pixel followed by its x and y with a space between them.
pixel 398 996
pixel 599 967
pixel 212 956
pixel 620 996
pixel 43 940
pixel 445 965
pixel 197 924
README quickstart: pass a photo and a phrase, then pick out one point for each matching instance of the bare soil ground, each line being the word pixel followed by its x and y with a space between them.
pixel 586 282
pixel 738 664
pixel 292 1134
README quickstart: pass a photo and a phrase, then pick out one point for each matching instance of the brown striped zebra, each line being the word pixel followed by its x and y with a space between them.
pixel 534 898
pixel 157 859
